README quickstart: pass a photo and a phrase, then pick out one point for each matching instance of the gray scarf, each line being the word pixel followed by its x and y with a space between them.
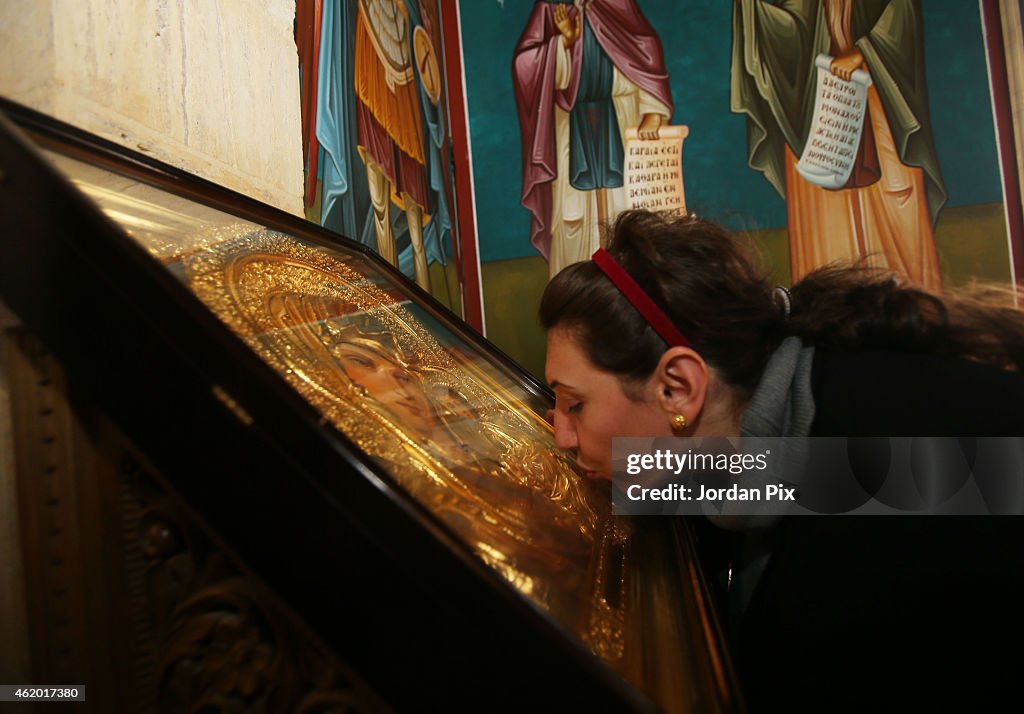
pixel 782 405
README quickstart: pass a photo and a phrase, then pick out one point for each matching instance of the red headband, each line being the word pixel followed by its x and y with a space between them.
pixel 636 295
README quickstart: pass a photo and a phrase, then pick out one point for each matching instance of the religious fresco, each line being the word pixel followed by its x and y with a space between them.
pixel 790 58
pixel 535 139
pixel 375 135
pixel 745 96
pixel 588 76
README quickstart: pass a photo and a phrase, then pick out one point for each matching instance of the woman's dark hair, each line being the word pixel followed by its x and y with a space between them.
pixel 711 284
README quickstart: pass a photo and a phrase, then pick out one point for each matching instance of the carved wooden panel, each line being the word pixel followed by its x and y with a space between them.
pixel 129 594
pixel 52 539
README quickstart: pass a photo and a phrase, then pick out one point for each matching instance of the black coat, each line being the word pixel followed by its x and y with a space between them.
pixel 896 613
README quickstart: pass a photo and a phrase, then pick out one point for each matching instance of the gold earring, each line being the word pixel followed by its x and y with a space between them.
pixel 678 423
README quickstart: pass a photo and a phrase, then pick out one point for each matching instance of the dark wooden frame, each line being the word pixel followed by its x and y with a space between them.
pixel 386 586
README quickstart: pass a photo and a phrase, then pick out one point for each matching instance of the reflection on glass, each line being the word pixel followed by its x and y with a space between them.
pixel 448 436
pixel 460 437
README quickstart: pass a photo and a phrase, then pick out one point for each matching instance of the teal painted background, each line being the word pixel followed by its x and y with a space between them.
pixel 697 38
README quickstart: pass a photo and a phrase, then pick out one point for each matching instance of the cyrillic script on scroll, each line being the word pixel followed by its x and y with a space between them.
pixel 840 107
pixel 654 170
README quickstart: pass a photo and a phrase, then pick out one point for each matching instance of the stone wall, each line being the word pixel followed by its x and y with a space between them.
pixel 210 86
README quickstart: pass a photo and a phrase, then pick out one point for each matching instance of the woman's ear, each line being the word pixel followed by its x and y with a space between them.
pixel 681 379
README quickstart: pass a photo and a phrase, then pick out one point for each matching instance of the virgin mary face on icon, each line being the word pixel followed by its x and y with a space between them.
pixel 392 383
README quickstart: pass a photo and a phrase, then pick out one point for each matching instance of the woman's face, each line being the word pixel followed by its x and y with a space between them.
pixel 591 407
pixel 389 383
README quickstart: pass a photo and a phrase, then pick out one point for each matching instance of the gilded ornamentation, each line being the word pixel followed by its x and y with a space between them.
pixel 453 433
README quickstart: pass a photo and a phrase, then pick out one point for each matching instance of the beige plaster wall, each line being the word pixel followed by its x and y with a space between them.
pixel 210 86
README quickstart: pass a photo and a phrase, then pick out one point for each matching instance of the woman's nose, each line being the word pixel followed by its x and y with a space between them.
pixel 565 433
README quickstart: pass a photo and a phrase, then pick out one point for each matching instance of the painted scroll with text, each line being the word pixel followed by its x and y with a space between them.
pixel 654 170
pixel 840 107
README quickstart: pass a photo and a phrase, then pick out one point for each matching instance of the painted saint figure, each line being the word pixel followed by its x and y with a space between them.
pixel 390 125
pixel 887 210
pixel 584 72
pixel 371 84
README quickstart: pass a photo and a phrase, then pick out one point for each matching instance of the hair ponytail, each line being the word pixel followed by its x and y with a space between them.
pixel 869 308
